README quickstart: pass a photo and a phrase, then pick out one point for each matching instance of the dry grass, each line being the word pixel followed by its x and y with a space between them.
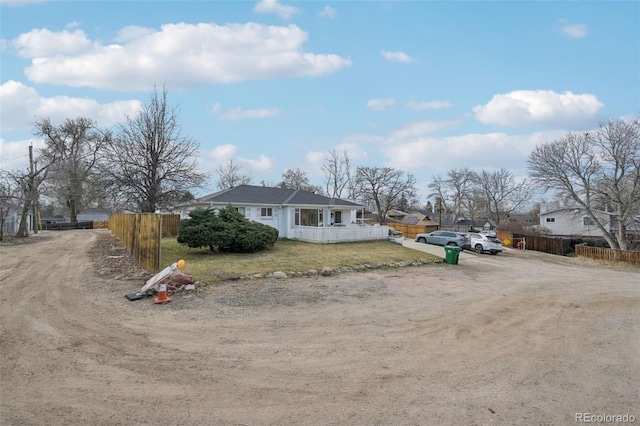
pixel 287 256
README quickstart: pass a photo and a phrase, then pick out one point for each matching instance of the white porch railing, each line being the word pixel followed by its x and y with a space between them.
pixel 340 234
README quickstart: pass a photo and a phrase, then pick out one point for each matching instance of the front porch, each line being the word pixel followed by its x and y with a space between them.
pixel 339 234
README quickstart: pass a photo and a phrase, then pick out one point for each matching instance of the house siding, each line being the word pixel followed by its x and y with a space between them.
pixel 571 222
pixel 12 223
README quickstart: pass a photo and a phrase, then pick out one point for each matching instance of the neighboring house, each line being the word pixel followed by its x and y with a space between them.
pixel 295 213
pixel 416 218
pixel 468 225
pixel 12 221
pixel 52 220
pixel 575 221
pixel 372 218
pixel 87 215
pixel 91 214
pixel 462 224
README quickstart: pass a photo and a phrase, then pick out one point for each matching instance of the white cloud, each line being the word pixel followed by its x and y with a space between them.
pixel 423 105
pixel 262 164
pixel 572 30
pixel 178 55
pixel 215 108
pixel 45 43
pixel 542 107
pixel 274 6
pixel 21 105
pixel 396 56
pixel 477 151
pixel 16 3
pixel 221 154
pixel 314 160
pixel 380 104
pixel 14 155
pixel 316 157
pixel 328 12
pixel 575 31
pixel 236 114
pixel 418 128
pixel 133 32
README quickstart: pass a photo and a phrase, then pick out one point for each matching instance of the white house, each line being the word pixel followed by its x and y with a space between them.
pixel 576 221
pixel 295 213
pixel 573 221
pixel 11 219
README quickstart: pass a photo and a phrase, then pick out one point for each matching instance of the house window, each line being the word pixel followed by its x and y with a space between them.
pixel 551 220
pixel 337 216
pixel 240 210
pixel 266 212
pixel 587 221
pixel 308 217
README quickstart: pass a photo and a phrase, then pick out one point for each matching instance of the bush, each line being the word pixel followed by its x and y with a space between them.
pixel 225 230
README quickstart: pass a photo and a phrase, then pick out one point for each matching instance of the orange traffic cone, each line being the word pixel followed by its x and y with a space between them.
pixel 162 295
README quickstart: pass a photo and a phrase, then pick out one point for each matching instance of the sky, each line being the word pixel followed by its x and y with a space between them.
pixel 420 86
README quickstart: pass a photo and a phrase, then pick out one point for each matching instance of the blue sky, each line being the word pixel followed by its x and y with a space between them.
pixel 422 86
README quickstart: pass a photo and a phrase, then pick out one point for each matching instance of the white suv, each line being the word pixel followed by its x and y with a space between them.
pixel 481 243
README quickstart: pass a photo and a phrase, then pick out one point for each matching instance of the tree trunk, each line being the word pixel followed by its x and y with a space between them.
pixel 23 231
pixel 621 233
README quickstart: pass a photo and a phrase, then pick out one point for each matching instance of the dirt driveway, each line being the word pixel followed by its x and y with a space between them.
pixel 518 338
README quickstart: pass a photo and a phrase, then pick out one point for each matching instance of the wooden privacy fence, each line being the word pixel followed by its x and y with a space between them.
pixel 611 255
pixel 410 231
pixel 170 225
pixel 554 245
pixel 142 233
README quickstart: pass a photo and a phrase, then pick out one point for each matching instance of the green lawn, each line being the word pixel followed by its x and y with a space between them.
pixel 287 256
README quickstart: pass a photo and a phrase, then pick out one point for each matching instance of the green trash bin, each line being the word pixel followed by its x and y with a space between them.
pixel 451 254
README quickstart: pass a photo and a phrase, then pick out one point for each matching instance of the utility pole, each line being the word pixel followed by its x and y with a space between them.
pixel 34 197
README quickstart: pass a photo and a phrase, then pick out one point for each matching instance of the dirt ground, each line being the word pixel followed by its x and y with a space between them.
pixel 518 338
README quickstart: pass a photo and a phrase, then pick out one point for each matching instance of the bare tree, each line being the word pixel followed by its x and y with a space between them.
pixel 77 145
pixel 230 175
pixel 439 191
pixel 337 174
pixel 297 179
pixel 474 205
pixel 383 187
pixel 9 199
pixel 454 190
pixel 149 161
pixel 29 184
pixel 618 185
pixel 597 171
pixel 294 179
pixel 502 193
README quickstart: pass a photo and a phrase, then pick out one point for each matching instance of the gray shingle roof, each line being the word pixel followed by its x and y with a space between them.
pixel 249 194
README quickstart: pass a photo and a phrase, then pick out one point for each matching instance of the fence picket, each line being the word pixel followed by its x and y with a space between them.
pixel 611 255
pixel 142 233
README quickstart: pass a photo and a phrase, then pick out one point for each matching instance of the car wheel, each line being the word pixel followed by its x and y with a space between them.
pixel 478 248
pixel 452 244
pixel 422 240
pixel 494 252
